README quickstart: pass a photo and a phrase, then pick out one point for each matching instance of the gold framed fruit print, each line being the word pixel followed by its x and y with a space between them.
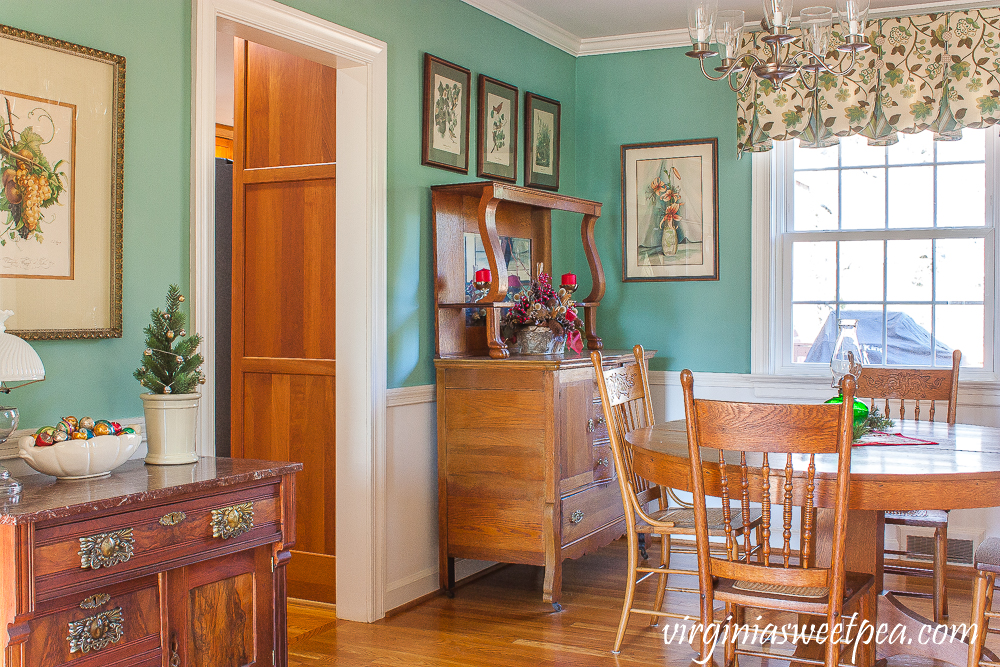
pixel 62 113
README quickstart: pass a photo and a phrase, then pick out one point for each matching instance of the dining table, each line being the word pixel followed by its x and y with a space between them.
pixel 956 466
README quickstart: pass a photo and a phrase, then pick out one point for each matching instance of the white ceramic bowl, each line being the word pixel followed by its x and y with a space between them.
pixel 79 459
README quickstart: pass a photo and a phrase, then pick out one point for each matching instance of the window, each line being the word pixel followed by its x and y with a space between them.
pixel 900 238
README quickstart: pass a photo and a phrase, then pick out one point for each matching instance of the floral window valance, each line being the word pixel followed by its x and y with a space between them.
pixel 938 72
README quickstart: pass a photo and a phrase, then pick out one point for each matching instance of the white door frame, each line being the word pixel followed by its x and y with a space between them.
pixel 361 251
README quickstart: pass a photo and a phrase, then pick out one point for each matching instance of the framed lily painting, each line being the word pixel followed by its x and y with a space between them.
pixel 62 117
pixel 670 204
pixel 541 142
pixel 496 138
pixel 447 87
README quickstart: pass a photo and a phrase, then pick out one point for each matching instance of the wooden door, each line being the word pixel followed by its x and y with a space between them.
pixel 284 241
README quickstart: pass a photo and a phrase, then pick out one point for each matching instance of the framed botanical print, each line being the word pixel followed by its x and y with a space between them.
pixel 670 205
pixel 496 138
pixel 62 118
pixel 447 88
pixel 541 137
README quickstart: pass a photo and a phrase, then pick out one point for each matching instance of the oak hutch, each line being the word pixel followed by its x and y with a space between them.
pixel 525 472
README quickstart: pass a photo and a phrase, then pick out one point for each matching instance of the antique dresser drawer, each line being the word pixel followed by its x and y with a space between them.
pixel 116 626
pixel 71 557
pixel 604 464
pixel 589 510
pixel 597 427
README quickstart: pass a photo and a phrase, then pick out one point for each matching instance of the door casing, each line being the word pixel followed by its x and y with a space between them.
pixel 362 89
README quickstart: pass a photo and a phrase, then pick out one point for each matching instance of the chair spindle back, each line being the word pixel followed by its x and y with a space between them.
pixel 912 384
pixel 756 432
pixel 625 395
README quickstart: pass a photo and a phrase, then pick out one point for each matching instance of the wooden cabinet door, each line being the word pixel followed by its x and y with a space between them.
pixel 283 341
pixel 576 429
pixel 221 612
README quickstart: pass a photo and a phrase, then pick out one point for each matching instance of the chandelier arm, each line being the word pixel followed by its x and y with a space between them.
pixel 736 62
pixel 824 66
pixel 805 84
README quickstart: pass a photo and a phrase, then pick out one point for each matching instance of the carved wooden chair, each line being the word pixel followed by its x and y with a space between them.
pixel 987 567
pixel 746 437
pixel 627 406
pixel 929 386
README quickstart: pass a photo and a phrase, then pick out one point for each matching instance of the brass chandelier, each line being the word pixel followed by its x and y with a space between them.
pixel 784 57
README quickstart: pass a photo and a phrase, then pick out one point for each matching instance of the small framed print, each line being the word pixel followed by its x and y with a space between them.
pixel 446 114
pixel 541 147
pixel 670 211
pixel 496 138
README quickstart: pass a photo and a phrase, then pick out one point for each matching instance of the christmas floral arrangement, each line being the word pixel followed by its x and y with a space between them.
pixel 542 305
pixel 171 363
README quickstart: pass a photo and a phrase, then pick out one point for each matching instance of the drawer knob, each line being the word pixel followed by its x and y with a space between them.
pixel 603 461
pixel 106 549
pixel 231 521
pixel 95 632
pixel 594 424
pixel 172 519
pixel 576 517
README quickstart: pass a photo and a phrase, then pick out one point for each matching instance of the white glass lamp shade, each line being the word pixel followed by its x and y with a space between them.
pixel 853 16
pixel 701 20
pixel 817 26
pixel 729 31
pixel 18 361
pixel 778 12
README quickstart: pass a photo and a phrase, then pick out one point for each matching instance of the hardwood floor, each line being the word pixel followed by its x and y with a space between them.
pixel 500 620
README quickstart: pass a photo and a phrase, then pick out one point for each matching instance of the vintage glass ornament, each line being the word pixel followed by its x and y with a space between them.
pixel 103 428
pixel 87 423
pixel 79 435
pixel 44 439
pixel 60 436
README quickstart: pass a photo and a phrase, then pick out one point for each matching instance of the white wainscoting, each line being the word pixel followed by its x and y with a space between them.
pixel 411 483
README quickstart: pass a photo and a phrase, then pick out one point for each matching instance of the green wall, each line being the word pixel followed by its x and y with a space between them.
pixel 648 96
pixel 466 36
pixel 606 101
pixel 95 377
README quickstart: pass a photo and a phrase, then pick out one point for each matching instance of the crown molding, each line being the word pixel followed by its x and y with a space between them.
pixel 536 26
pixel 641 41
pixel 529 22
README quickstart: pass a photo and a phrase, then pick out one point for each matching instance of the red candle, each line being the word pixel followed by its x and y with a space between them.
pixel 483 276
pixel 569 279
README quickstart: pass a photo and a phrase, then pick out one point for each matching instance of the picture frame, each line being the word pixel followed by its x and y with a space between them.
pixel 541 142
pixel 61 242
pixel 496 130
pixel 447 90
pixel 670 210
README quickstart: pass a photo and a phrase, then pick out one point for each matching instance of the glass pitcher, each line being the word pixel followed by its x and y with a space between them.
pixel 848 355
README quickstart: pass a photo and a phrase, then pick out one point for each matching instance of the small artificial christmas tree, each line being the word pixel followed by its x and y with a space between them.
pixel 171 363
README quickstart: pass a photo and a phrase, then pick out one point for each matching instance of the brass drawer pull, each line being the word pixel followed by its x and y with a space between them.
pixel 576 517
pixel 95 601
pixel 603 461
pixel 106 549
pixel 594 424
pixel 172 519
pixel 231 521
pixel 95 632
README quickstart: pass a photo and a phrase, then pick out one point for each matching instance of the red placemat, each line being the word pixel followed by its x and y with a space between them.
pixel 880 438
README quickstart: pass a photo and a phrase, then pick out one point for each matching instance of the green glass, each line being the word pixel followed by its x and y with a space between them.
pixel 860 409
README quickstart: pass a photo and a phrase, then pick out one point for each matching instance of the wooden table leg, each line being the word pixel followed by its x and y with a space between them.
pixel 913 634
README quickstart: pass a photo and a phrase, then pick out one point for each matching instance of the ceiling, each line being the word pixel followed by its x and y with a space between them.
pixel 572 24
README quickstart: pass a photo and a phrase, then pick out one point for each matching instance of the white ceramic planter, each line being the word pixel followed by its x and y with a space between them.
pixel 171 420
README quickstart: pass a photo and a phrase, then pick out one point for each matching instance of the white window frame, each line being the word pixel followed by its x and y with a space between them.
pixel 770 321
